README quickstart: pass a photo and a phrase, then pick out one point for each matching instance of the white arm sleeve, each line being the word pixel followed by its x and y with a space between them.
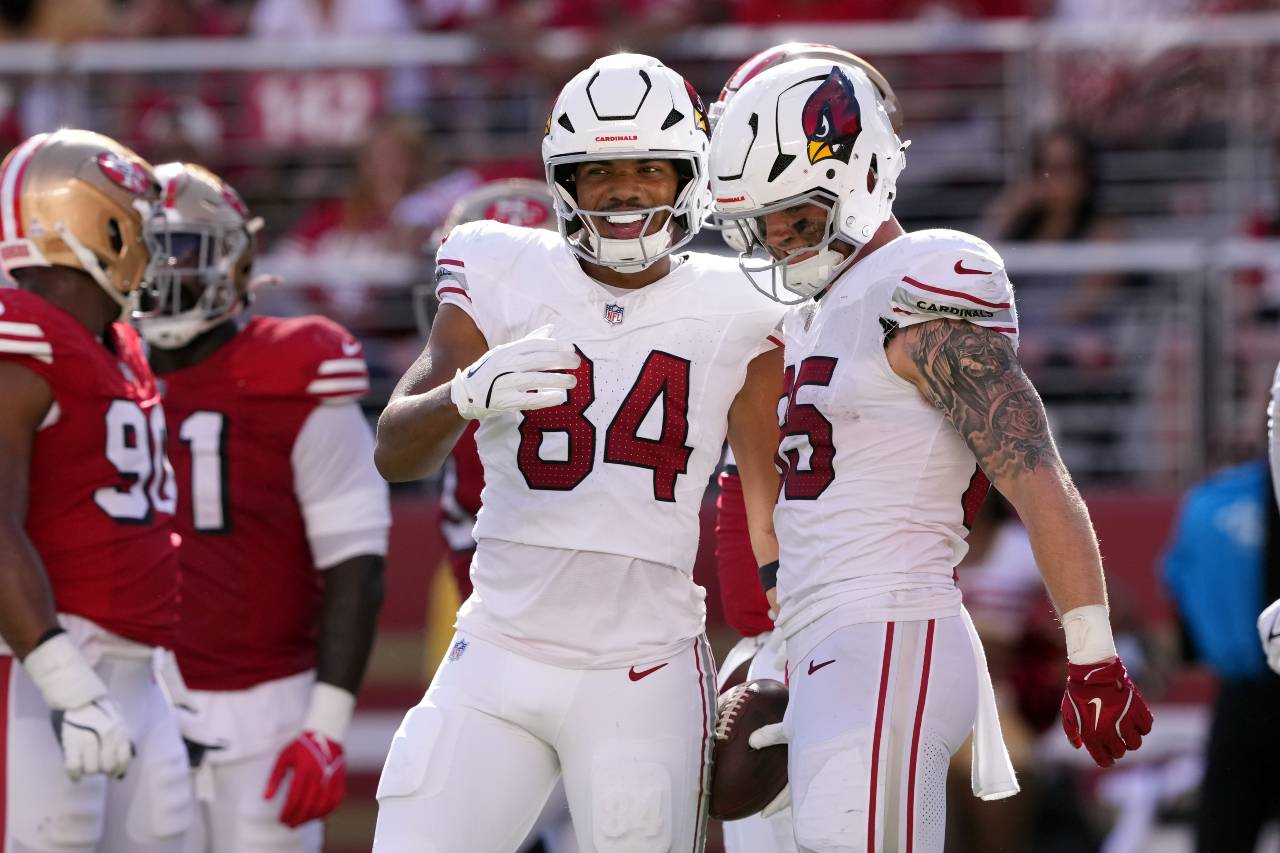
pixel 1273 434
pixel 344 500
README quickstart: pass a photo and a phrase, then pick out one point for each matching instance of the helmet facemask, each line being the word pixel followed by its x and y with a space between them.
pixel 191 284
pixel 632 254
pixel 805 271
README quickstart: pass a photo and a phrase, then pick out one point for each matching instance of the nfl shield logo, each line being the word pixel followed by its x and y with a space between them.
pixel 457 650
pixel 613 313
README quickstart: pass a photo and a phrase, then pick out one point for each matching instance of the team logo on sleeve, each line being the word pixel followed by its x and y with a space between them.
pixel 613 314
pixel 832 118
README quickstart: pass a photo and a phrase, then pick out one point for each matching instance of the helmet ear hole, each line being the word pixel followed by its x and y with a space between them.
pixel 114 238
pixel 872 174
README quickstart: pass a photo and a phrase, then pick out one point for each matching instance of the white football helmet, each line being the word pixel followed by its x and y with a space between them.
pixel 806 132
pixel 773 57
pixel 628 106
pixel 201 239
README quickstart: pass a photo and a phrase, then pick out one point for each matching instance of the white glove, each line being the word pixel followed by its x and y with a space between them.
pixel 1269 630
pixel 87 723
pixel 516 376
pixel 761 738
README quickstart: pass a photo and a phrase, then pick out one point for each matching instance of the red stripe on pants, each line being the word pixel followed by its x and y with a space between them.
pixel 698 840
pixel 6 675
pixel 875 746
pixel 915 739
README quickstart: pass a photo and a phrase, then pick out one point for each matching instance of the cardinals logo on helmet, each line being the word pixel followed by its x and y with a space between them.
pixel 699 110
pixel 832 118
pixel 124 172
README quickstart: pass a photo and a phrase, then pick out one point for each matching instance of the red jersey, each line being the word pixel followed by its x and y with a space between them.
pixel 745 607
pixel 101 496
pixel 251 591
pixel 459 505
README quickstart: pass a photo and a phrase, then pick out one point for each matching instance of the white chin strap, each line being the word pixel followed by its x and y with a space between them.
pixel 812 275
pixel 635 253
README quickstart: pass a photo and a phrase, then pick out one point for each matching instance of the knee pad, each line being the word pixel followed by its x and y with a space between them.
pixel 420 743
pixel 830 790
pixel 631 802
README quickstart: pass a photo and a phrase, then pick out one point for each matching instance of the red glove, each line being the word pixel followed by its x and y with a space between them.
pixel 319 778
pixel 1104 711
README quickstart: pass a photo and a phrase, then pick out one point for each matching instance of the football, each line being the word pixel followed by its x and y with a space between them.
pixel 745 780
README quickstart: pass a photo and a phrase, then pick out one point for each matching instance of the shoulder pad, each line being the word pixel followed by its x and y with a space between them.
pixel 950 275
pixel 316 357
pixel 482 248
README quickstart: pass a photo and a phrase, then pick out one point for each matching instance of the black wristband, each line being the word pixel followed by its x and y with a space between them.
pixel 48 635
pixel 769 575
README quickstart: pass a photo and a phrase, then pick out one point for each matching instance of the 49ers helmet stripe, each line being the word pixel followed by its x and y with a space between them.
pixel 15 169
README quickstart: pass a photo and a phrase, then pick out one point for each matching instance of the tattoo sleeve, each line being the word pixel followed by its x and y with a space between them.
pixel 972 375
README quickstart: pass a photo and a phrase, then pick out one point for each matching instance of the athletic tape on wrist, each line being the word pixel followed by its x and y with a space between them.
pixel 1089 638
pixel 62 675
pixel 330 711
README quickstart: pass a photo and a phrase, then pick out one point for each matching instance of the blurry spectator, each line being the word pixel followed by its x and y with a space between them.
pixel 178 19
pixel 364 249
pixel 310 18
pixel 1222 567
pixel 1075 327
pixel 54 20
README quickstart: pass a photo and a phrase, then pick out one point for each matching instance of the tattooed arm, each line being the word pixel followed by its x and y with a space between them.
pixel 972 375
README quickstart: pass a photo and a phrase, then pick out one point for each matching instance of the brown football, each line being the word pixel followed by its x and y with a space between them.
pixel 745 780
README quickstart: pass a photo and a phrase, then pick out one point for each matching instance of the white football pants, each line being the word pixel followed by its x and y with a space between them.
pixel 756 834
pixel 876 711
pixel 252 726
pixel 43 811
pixel 472 764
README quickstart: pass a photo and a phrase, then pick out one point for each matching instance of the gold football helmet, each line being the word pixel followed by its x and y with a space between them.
pixel 74 198
pixel 201 239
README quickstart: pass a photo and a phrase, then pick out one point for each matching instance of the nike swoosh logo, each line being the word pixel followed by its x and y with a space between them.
pixel 635 675
pixel 1097 711
pixel 814 668
pixel 350 348
pixel 472 371
pixel 961 269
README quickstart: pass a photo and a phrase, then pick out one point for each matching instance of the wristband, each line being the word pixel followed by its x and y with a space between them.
pixel 1088 631
pixel 330 711
pixel 769 575
pixel 62 675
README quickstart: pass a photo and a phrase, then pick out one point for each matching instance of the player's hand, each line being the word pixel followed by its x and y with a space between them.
pixel 516 376
pixel 1103 711
pixel 319 778
pixel 94 739
pixel 86 722
pixel 762 738
pixel 1269 631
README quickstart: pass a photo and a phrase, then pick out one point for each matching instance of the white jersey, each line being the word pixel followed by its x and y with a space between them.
pixel 620 470
pixel 878 486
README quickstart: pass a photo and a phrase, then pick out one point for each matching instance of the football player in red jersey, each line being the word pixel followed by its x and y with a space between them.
pixel 284 523
pixel 88 567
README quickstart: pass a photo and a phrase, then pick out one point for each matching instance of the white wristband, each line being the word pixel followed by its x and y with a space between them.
pixel 62 675
pixel 330 711
pixel 1088 631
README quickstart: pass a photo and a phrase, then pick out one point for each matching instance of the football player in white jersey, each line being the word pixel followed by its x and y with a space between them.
pixel 903 394
pixel 605 367
pixel 744 604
